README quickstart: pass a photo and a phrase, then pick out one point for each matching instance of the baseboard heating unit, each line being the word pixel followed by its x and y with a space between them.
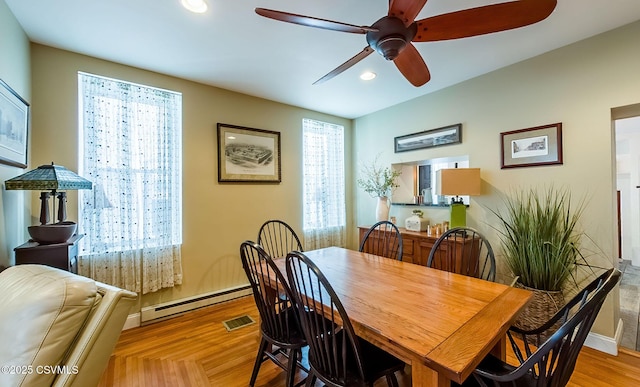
pixel 174 308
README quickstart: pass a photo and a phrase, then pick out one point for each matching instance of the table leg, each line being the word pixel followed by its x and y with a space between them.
pixel 500 349
pixel 423 376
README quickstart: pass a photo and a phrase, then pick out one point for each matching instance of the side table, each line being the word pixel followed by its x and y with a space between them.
pixel 60 255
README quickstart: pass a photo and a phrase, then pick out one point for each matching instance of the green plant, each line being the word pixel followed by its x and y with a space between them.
pixel 540 237
pixel 378 181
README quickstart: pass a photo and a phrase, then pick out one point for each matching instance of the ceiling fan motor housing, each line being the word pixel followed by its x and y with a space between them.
pixel 391 36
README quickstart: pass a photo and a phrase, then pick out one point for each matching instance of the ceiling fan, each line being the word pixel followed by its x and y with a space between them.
pixel 392 35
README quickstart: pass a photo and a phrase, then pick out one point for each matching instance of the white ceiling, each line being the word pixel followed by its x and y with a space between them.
pixel 231 47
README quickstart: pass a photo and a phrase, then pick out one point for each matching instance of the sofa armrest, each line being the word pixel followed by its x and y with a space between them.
pixel 90 354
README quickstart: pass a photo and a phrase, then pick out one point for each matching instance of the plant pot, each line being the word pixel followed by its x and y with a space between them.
pixel 540 309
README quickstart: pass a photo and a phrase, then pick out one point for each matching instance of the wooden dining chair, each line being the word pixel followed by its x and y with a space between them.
pixel 277 238
pixel 552 362
pixel 336 355
pixel 383 239
pixel 466 251
pixel 280 326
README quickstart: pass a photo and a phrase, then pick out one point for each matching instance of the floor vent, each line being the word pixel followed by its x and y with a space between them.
pixel 237 322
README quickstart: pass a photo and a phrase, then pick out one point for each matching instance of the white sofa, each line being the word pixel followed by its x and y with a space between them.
pixel 57 328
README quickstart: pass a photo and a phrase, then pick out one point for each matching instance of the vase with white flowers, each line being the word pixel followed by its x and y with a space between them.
pixel 379 182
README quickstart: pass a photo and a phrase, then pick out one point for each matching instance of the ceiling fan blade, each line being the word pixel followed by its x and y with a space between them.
pixel 406 10
pixel 412 66
pixel 483 20
pixel 310 21
pixel 355 59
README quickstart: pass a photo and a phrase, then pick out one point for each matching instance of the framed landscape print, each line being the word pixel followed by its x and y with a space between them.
pixel 541 145
pixel 14 127
pixel 248 155
pixel 429 138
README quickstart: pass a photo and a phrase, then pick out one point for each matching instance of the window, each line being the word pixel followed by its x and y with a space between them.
pixel 324 211
pixel 130 148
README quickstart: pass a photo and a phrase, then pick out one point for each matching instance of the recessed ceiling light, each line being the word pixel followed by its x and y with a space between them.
pixel 197 6
pixel 367 76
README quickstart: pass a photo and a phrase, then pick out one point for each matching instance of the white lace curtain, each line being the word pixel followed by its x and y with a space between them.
pixel 324 210
pixel 131 150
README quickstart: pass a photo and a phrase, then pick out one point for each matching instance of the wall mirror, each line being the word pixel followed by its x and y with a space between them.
pixel 418 179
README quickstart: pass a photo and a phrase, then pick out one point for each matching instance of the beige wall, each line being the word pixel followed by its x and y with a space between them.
pixel 216 217
pixel 577 85
pixel 15 71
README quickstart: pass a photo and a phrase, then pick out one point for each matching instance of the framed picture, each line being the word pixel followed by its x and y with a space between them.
pixel 529 147
pixel 429 138
pixel 248 155
pixel 14 127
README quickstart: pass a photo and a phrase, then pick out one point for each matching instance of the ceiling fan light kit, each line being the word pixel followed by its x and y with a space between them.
pixel 393 35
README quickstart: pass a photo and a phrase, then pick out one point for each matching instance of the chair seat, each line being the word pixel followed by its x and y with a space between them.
pixel 497 367
pixel 377 362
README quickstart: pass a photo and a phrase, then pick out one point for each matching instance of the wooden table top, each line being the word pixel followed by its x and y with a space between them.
pixel 428 317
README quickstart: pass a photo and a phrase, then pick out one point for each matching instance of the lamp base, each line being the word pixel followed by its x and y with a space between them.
pixel 52 233
pixel 458 214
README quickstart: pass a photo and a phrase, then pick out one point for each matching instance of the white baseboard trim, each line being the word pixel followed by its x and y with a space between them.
pixel 133 321
pixel 604 343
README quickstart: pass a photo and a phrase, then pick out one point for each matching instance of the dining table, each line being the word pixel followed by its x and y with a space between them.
pixel 439 323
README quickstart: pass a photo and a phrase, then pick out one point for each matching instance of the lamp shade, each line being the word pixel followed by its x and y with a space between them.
pixel 48 177
pixel 458 181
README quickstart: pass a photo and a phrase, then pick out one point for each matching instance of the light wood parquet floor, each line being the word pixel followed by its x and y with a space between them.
pixel 195 350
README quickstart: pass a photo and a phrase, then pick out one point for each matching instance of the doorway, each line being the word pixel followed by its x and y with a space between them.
pixel 627 145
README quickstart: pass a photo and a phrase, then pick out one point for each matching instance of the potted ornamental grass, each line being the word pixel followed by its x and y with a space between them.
pixel 379 182
pixel 541 243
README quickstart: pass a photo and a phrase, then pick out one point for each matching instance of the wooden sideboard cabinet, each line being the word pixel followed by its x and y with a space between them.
pixel 60 255
pixel 416 246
